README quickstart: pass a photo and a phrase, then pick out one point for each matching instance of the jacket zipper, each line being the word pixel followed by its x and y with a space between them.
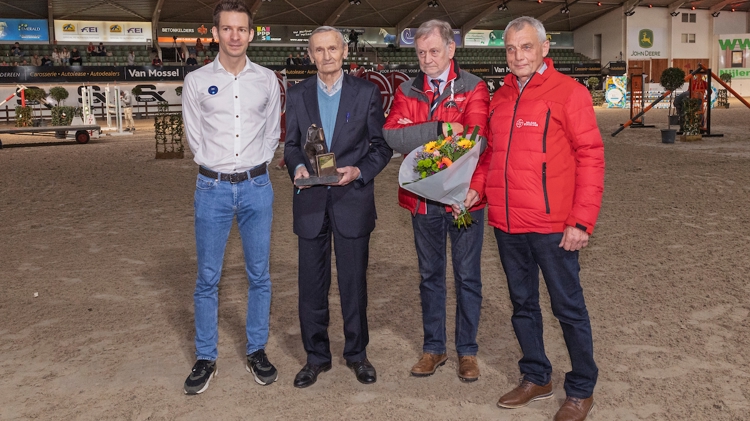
pixel 544 164
pixel 507 154
pixel 544 186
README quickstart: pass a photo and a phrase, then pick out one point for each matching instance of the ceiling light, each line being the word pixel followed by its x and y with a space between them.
pixel 539 1
pixel 692 7
pixel 598 3
pixel 565 10
pixel 733 9
pixel 502 7
pixel 650 6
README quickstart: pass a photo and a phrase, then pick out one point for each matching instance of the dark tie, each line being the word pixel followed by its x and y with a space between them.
pixel 435 94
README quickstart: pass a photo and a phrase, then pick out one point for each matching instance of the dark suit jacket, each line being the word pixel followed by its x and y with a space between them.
pixel 357 141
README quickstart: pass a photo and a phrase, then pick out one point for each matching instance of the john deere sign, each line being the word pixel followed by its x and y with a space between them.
pixel 644 43
pixel 646 38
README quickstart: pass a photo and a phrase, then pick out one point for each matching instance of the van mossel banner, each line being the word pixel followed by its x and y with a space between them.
pixel 48 74
pixel 24 30
pixel 98 31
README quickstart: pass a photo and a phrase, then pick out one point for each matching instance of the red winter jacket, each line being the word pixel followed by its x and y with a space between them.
pixel 545 166
pixel 467 92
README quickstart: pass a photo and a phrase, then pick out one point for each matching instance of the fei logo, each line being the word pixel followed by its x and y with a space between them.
pixel 135 30
pixel 69 27
pixel 646 38
pixel 520 123
pixel 90 29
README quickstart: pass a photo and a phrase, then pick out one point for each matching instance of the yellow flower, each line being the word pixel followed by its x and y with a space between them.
pixel 430 147
pixel 465 143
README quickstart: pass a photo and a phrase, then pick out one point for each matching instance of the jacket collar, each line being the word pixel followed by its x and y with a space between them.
pixel 421 79
pixel 535 79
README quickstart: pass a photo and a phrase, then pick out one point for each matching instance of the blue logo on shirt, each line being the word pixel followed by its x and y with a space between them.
pixel 213 90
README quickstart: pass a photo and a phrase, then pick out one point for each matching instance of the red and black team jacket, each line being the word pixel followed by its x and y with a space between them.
pixel 465 99
pixel 543 168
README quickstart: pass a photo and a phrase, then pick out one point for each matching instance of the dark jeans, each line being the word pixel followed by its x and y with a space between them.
pixel 430 233
pixel 522 256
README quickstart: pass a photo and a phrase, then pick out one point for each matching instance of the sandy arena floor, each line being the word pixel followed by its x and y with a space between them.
pixel 104 234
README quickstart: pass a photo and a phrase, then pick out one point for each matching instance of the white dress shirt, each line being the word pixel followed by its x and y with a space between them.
pixel 232 122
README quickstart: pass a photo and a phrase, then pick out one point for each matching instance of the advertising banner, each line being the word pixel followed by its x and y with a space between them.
pixel 407 37
pixel 734 55
pixel 494 38
pixel 560 39
pixel 24 30
pixel 280 34
pixel 97 31
pixel 134 74
pixel 185 32
pixel 484 38
pixel 646 43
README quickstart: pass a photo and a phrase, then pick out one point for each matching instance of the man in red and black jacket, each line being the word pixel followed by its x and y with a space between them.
pixel 440 99
pixel 543 177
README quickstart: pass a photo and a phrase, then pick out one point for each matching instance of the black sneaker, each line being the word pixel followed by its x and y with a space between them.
pixel 263 371
pixel 198 380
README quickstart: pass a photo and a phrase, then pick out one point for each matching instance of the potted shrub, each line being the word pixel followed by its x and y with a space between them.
pixel 597 95
pixel 169 132
pixel 726 78
pixel 23 116
pixel 692 119
pixel 671 79
pixel 36 96
pixel 61 115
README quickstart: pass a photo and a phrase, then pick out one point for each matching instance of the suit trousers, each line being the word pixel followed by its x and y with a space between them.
pixel 315 281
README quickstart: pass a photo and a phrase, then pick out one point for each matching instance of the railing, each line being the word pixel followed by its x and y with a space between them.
pixel 142 110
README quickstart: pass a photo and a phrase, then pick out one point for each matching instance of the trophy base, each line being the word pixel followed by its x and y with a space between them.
pixel 316 181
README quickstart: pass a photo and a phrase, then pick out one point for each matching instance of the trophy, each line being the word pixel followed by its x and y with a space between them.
pixel 322 163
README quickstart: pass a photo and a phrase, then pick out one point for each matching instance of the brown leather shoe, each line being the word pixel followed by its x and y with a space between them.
pixel 524 394
pixel 468 369
pixel 427 365
pixel 575 409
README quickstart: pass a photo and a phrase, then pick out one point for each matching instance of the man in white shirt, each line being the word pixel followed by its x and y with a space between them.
pixel 126 101
pixel 231 110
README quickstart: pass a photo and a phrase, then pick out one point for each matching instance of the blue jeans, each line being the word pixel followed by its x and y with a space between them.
pixel 522 256
pixel 430 231
pixel 216 205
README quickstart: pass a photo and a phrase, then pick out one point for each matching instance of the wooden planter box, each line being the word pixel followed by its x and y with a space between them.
pixel 691 138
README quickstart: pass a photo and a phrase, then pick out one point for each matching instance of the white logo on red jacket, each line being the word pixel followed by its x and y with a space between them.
pixel 520 123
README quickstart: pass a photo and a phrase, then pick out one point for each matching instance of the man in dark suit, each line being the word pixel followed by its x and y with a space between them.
pixel 350 112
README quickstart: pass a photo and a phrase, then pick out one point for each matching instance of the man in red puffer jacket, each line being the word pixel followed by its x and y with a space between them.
pixel 543 177
pixel 441 98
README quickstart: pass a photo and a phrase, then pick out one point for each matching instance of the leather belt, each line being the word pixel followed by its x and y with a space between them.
pixel 235 177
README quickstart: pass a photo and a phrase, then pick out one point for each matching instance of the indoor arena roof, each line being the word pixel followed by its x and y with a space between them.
pixel 464 14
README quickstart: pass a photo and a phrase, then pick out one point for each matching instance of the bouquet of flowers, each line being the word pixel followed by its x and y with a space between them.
pixel 441 170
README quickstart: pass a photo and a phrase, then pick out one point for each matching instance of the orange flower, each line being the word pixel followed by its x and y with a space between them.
pixel 446 161
pixel 449 139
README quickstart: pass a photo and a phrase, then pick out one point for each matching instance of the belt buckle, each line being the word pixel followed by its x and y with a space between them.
pixel 235 178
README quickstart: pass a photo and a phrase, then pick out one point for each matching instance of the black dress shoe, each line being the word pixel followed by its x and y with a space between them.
pixel 309 374
pixel 364 371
